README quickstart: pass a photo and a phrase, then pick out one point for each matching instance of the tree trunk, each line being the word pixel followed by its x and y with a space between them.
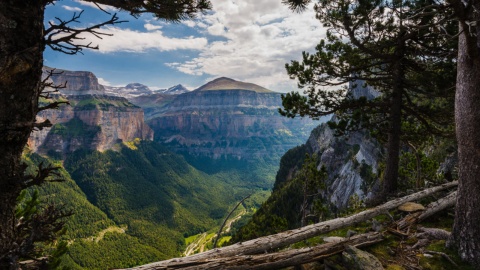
pixel 279 240
pixel 276 260
pixel 466 229
pixel 21 61
pixel 390 177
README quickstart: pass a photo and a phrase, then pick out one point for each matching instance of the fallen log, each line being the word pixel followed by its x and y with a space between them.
pixel 431 209
pixel 275 260
pixel 271 242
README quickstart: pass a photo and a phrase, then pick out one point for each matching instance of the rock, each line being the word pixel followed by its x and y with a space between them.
pixel 357 259
pixel 227 119
pixel 411 207
pixel 351 233
pixel 77 82
pixel 94 122
pixel 376 226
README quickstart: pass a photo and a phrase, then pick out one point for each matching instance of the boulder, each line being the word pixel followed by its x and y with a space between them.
pixel 357 259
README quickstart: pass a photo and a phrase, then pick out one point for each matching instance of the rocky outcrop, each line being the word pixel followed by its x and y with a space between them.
pixel 228 123
pixel 351 163
pixel 357 259
pixel 76 82
pixel 92 122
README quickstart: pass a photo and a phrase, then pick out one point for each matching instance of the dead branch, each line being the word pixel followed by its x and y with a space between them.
pixel 225 220
pixel 62 37
pixel 267 243
pixel 275 260
pixel 432 234
pixel 431 209
pixel 41 176
pixel 444 255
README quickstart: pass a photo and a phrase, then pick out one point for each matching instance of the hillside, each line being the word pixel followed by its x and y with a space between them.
pixel 140 200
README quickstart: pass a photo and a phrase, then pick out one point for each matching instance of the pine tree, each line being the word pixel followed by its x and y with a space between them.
pixel 393 47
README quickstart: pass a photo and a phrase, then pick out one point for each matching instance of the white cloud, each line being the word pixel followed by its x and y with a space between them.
pixel 74 9
pixel 103 82
pixel 128 40
pixel 260 37
pixel 151 27
pixel 189 23
pixel 90 4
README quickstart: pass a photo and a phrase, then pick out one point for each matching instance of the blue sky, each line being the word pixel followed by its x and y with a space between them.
pixel 247 40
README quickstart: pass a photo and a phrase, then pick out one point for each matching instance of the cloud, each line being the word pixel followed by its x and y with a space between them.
pixel 127 40
pixel 151 27
pixel 74 9
pixel 90 4
pixel 259 37
pixel 104 82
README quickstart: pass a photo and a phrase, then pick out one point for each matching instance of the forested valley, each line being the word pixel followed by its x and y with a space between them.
pixel 375 155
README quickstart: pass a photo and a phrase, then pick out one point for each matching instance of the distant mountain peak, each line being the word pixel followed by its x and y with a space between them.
pixel 138 87
pixel 224 83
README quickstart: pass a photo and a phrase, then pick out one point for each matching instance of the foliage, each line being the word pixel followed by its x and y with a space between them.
pixel 292 203
pixel 383 46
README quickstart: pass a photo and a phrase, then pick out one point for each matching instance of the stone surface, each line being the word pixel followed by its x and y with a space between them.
pixel 92 122
pixel 77 82
pixel 357 259
pixel 411 207
pixel 225 123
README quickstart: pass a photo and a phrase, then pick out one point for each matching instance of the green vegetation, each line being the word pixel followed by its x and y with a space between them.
pixel 138 204
pixel 102 104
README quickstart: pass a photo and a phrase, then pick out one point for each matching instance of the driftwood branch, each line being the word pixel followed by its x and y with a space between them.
pixel 267 243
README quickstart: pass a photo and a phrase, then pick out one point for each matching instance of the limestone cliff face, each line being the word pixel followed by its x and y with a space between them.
pixel 77 82
pixel 230 122
pixel 92 122
pixel 351 163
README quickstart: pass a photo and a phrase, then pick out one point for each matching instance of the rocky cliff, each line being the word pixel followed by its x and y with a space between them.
pixel 228 119
pixel 351 163
pixel 76 82
pixel 91 121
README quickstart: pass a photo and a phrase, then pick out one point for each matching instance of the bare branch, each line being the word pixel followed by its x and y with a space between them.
pixel 64 38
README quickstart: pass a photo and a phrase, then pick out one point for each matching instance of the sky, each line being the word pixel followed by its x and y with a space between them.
pixel 246 40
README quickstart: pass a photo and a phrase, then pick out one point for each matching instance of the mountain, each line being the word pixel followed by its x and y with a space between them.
pixel 174 90
pixel 76 82
pixel 227 119
pixel 227 124
pixel 224 83
pixel 95 122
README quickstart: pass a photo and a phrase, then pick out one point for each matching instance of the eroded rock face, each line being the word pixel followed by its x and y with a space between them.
pixel 77 82
pixel 228 123
pixel 92 122
pixel 350 163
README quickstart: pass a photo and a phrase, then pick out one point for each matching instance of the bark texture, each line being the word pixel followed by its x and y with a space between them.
pixel 277 260
pixel 271 242
pixel 466 229
pixel 21 61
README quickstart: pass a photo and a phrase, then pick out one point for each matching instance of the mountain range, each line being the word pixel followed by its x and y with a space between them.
pixel 145 169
